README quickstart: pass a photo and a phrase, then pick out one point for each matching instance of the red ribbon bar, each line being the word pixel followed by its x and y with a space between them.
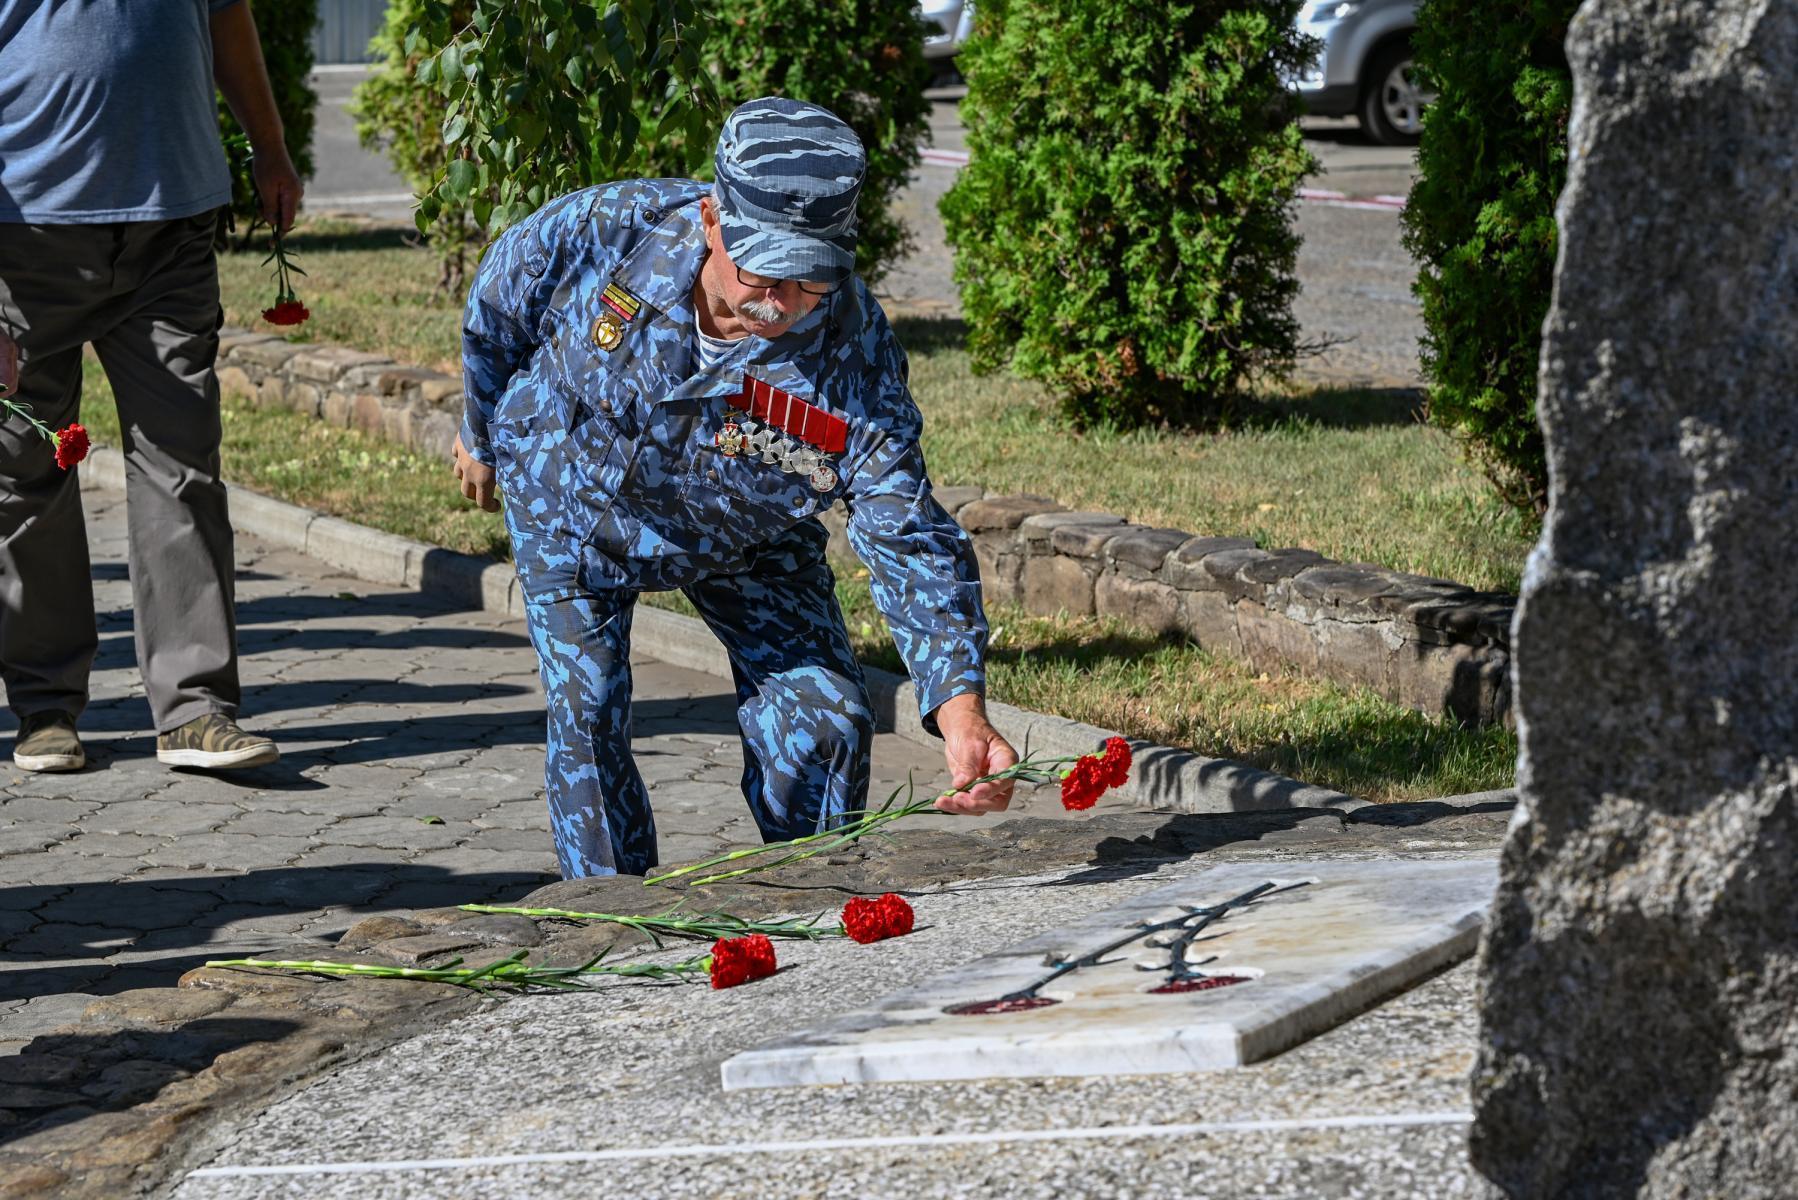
pixel 788 413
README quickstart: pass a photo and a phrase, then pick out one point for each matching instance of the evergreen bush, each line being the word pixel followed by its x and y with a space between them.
pixel 861 59
pixel 1124 231
pixel 1481 223
pixel 285 29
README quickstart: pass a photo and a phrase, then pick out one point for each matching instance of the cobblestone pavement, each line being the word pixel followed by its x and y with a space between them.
pixel 411 776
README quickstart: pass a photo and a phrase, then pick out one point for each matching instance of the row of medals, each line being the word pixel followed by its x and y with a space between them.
pixel 743 434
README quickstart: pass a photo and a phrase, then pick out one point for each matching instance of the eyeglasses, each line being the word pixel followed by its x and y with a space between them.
pixel 810 287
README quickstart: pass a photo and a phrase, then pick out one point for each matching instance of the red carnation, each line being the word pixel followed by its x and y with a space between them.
pixel 288 312
pixel 1084 783
pixel 741 959
pixel 71 446
pixel 876 920
pixel 1116 762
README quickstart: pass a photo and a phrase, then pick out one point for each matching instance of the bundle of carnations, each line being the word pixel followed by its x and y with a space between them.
pixel 743 950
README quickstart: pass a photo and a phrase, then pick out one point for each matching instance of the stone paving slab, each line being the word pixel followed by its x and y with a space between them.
pixel 411 776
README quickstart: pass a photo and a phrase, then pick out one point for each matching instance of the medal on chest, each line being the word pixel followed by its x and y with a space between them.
pixel 620 309
pixel 784 431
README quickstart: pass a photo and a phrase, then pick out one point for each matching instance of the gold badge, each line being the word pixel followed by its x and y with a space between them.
pixel 608 331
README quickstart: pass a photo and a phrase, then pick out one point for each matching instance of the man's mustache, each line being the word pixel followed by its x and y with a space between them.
pixel 766 311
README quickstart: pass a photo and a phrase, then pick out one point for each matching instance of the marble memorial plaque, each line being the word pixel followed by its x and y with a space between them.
pixel 1230 966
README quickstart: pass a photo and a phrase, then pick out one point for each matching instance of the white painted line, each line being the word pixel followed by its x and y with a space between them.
pixel 1368 205
pixel 365 198
pixel 734 1149
pixel 343 68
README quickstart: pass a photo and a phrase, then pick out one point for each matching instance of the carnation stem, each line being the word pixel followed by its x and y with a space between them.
pixel 701 926
pixel 511 973
pixel 812 845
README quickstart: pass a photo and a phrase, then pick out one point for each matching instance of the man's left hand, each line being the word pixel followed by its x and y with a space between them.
pixel 278 187
pixel 973 748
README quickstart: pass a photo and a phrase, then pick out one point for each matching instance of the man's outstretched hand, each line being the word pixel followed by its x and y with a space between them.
pixel 973 748
pixel 476 479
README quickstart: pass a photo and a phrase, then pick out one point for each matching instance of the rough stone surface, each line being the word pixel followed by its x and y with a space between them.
pixel 954 499
pixel 1641 964
pixel 1152 606
pixel 1143 548
pixel 1183 568
pixel 1002 512
pixel 1057 583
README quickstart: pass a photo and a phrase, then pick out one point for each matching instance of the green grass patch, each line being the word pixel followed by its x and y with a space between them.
pixel 338 471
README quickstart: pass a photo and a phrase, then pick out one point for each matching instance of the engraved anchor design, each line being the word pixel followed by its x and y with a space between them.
pixel 1181 977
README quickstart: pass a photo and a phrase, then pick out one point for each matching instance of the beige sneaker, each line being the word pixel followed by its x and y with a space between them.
pixel 213 741
pixel 47 742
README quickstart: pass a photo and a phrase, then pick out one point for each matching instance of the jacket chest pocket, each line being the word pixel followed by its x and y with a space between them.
pixel 560 457
pixel 756 500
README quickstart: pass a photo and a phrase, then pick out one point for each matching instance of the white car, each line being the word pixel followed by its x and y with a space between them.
pixel 1364 68
pixel 954 20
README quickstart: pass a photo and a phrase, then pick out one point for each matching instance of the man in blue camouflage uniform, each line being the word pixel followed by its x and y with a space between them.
pixel 668 381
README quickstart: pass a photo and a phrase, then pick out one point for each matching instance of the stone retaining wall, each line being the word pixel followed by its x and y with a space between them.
pixel 1430 644
pixel 413 406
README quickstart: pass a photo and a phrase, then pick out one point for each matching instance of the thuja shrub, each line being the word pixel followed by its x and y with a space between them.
pixel 1124 231
pixel 285 29
pixel 1481 223
pixel 861 59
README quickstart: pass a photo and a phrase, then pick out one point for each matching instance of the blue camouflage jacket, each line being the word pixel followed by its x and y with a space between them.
pixel 606 458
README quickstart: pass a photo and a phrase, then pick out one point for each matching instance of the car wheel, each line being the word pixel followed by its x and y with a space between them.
pixel 1392 101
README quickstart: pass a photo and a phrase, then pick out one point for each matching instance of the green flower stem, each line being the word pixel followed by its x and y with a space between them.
pixel 511 973
pixel 702 926
pixel 814 844
pixel 20 411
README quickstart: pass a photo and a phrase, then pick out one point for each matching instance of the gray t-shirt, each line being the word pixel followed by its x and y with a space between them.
pixel 107 111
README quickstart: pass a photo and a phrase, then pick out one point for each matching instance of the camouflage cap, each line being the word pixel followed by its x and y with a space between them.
pixel 788 176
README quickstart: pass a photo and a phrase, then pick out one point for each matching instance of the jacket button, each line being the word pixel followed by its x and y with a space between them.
pixel 605 406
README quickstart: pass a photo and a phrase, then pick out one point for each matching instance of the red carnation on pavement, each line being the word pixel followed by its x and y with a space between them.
pixel 288 312
pixel 876 920
pixel 741 959
pixel 71 446
pixel 1116 762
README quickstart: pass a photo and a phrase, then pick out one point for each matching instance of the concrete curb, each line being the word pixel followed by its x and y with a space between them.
pixel 1164 778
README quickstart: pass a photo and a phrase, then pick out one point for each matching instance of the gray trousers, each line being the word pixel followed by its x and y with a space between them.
pixel 145 293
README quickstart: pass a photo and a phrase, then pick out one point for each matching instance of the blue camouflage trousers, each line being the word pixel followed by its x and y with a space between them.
pixel 802 707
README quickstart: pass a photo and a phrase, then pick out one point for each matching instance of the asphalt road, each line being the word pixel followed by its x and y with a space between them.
pixel 1355 303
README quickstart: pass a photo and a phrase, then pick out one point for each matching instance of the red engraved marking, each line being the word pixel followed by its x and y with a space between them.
pixel 1199 983
pixel 981 1008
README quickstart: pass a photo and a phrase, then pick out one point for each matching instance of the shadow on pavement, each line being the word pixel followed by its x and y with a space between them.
pixel 91 921
pixel 61 1078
